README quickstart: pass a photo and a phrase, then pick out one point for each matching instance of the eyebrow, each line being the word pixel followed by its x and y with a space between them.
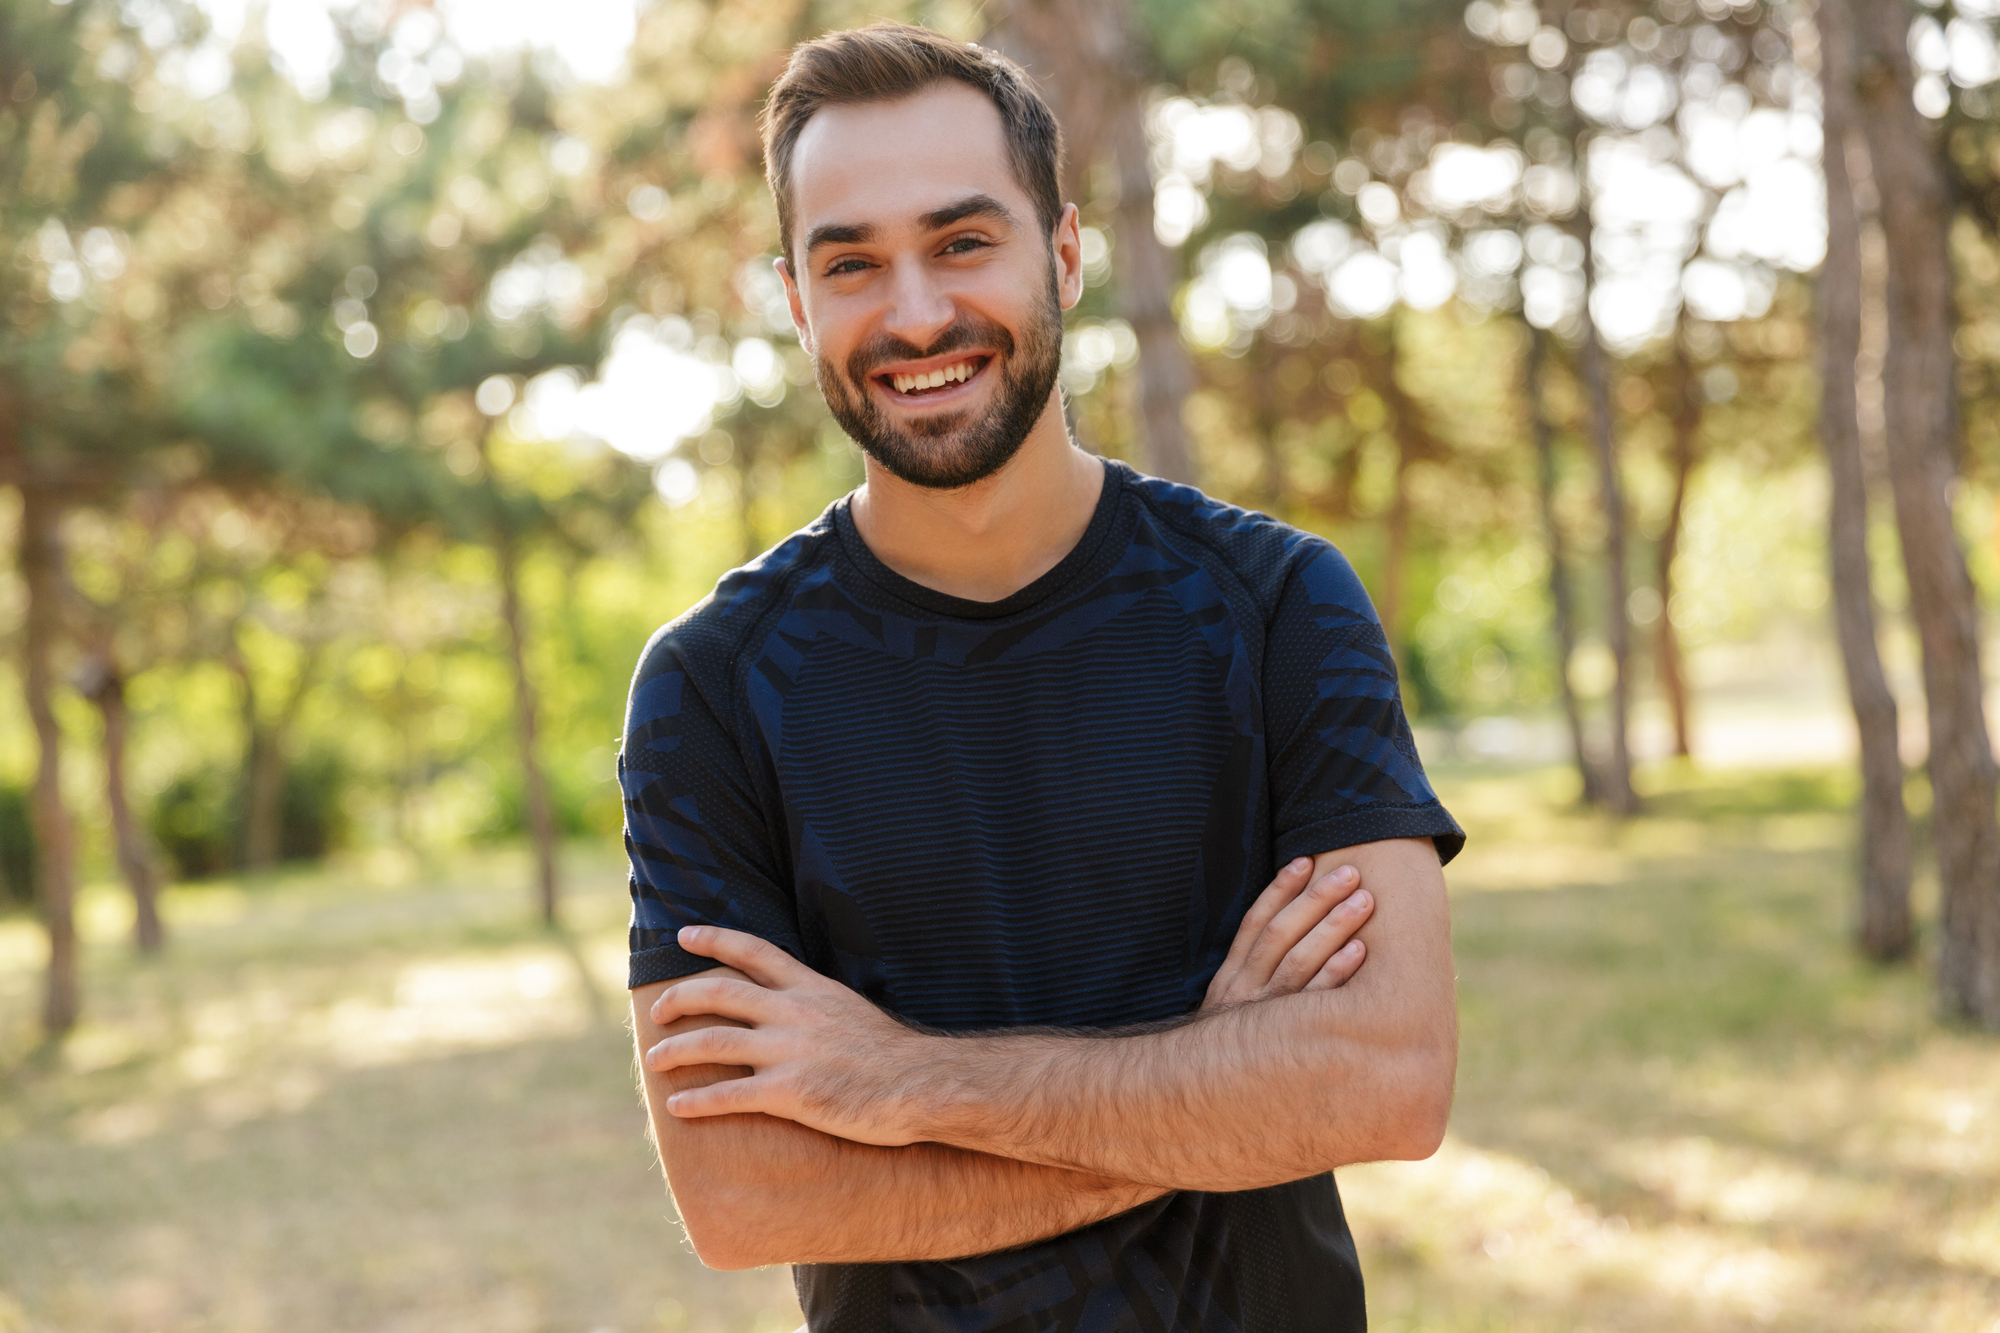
pixel 972 206
pixel 862 233
pixel 839 233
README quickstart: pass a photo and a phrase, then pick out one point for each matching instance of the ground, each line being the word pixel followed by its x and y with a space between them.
pixel 377 1097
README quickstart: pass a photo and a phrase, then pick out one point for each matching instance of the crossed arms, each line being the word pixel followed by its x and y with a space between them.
pixel 797 1123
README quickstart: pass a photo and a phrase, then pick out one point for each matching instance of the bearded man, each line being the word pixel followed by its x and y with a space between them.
pixel 956 978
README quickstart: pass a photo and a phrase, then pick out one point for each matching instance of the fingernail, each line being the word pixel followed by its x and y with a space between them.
pixel 1347 873
pixel 1361 898
pixel 1299 865
pixel 688 934
pixel 1352 946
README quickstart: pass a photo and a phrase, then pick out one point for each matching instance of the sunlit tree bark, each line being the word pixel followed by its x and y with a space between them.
pixel 103 683
pixel 1092 65
pixel 1561 600
pixel 534 785
pixel 1617 775
pixel 1685 415
pixel 1919 399
pixel 1883 926
pixel 41 566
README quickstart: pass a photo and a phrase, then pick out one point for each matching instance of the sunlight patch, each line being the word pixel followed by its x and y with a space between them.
pixel 458 1005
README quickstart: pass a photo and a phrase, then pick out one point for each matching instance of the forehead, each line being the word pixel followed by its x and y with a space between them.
pixel 883 164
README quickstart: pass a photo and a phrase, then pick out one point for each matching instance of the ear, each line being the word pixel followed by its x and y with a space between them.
pixel 1067 245
pixel 796 304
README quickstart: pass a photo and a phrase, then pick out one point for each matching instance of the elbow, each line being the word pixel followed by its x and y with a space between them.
pixel 1431 1105
pixel 724 1234
pixel 1422 1111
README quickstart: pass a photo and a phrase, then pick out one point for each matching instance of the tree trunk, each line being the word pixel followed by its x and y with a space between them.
pixel 55 880
pixel 1092 67
pixel 1559 590
pixel 1883 928
pixel 1145 301
pixel 746 499
pixel 263 805
pixel 1411 437
pixel 1687 428
pixel 264 762
pixel 541 820
pixel 1919 400
pixel 1618 793
pixel 255 743
pixel 104 685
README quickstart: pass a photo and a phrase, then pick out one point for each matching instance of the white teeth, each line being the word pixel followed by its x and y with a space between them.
pixel 954 374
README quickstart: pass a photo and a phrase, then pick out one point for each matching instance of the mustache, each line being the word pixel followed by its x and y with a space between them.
pixel 886 348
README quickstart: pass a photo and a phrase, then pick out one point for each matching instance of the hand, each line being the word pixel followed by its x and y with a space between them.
pixel 819 1053
pixel 1295 938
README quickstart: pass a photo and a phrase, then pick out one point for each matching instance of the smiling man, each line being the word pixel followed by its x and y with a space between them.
pixel 956 978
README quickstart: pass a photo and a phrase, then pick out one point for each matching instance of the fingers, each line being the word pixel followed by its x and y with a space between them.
pixel 720 997
pixel 718 1045
pixel 1303 962
pixel 730 1097
pixel 760 960
pixel 1290 880
pixel 1285 886
pixel 1345 962
pixel 1294 922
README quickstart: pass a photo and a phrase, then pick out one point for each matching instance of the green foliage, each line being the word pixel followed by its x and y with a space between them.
pixel 197 818
pixel 194 821
pixel 17 847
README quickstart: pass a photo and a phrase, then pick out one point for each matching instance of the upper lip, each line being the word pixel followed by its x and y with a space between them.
pixel 929 363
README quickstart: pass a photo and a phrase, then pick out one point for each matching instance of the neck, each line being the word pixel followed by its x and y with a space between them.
pixel 985 541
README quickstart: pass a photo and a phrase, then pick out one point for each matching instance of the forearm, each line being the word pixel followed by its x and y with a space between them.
pixel 1257 1095
pixel 755 1189
pixel 1239 1099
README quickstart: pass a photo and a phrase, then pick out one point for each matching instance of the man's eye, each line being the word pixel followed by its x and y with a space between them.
pixel 846 266
pixel 965 245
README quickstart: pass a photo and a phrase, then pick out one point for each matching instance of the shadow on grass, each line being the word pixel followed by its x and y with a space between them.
pixel 497 1190
pixel 1683 1101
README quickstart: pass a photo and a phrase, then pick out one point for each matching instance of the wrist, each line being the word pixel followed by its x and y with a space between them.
pixel 929 1069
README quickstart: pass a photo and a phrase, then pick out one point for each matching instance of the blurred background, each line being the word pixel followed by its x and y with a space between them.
pixel 376 375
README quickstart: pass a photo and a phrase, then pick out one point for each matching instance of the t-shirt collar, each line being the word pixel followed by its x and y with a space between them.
pixel 965 608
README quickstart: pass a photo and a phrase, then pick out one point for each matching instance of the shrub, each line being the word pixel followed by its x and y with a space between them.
pixel 194 821
pixel 17 847
pixel 198 817
pixel 312 818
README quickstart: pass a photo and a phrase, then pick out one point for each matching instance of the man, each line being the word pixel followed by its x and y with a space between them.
pixel 952 980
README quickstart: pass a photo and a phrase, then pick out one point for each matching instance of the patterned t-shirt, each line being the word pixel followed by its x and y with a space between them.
pixel 1052 809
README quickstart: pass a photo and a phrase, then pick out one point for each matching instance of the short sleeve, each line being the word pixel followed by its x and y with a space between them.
pixel 1344 767
pixel 700 845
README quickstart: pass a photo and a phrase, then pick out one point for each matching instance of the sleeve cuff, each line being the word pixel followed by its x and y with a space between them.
pixel 670 962
pixel 1359 826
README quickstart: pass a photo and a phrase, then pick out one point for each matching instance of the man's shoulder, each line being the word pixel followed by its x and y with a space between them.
pixel 706 640
pixel 1266 554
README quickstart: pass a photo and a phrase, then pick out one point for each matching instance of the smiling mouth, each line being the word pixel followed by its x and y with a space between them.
pixel 940 380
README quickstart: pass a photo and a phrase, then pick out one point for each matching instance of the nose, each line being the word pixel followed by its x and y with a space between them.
pixel 919 308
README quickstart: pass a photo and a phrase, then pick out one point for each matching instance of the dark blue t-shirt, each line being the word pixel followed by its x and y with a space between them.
pixel 1052 809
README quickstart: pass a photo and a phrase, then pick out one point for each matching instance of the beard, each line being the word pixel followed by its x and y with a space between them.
pixel 951 449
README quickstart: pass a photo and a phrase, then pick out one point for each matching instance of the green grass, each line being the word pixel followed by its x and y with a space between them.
pixel 1683 1102
pixel 377 1098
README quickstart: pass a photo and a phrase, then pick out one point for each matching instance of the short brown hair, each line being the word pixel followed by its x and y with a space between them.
pixel 886 61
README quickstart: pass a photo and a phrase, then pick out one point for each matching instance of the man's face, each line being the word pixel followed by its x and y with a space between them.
pixel 924 287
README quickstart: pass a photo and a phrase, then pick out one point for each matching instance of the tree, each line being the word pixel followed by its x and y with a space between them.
pixel 72 151
pixel 1883 925
pixel 1615 782
pixel 1919 397
pixel 1561 598
pixel 1094 67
